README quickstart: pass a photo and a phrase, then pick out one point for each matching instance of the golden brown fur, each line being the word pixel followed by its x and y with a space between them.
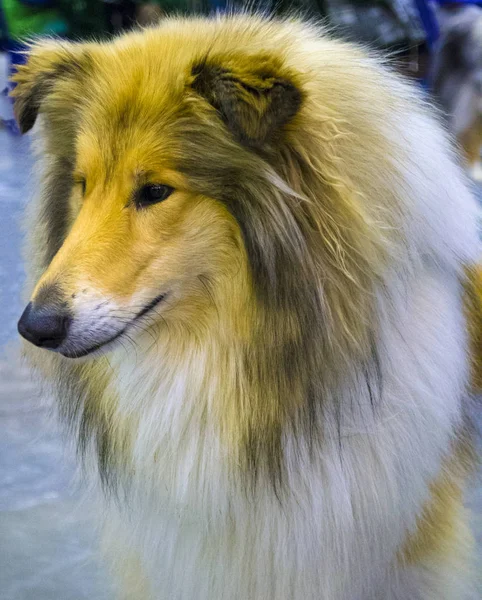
pixel 344 246
pixel 470 141
pixel 473 303
pixel 310 329
pixel 443 533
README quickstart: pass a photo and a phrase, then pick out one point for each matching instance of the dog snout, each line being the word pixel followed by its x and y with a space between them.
pixel 44 325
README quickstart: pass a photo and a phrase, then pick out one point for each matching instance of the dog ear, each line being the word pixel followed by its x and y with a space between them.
pixel 255 103
pixel 47 64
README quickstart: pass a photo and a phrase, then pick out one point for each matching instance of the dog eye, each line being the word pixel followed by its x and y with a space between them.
pixel 80 181
pixel 152 194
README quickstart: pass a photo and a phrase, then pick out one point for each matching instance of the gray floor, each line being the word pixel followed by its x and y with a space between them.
pixel 47 547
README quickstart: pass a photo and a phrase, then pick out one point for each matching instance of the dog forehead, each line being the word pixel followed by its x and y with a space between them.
pixel 111 153
pixel 141 89
pixel 132 114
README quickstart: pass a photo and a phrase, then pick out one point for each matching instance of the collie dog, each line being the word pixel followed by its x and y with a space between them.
pixel 252 256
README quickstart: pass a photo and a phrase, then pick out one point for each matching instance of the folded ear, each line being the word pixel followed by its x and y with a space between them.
pixel 48 63
pixel 254 101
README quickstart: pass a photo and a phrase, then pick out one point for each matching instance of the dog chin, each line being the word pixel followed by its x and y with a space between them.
pixel 73 351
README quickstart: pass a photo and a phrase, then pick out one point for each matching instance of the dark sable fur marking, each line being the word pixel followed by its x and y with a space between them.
pixel 296 338
pixel 55 207
pixel 26 108
pixel 277 241
pixel 27 103
pixel 255 112
pixel 83 412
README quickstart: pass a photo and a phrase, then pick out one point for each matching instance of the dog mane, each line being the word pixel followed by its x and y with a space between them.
pixel 290 168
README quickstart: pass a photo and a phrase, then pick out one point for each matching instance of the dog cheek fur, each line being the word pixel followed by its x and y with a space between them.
pixel 308 274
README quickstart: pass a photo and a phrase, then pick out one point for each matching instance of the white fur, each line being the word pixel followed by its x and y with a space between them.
pixel 335 532
pixel 97 318
pixel 347 512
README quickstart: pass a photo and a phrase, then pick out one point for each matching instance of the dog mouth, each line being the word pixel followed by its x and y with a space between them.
pixel 91 349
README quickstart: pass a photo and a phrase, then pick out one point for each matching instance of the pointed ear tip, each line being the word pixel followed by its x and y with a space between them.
pixel 25 120
pixel 198 67
pixel 203 73
pixel 23 129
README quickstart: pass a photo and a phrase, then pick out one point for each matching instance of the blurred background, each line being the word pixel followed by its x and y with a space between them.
pixel 47 542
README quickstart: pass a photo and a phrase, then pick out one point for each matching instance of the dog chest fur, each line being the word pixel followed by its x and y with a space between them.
pixel 342 515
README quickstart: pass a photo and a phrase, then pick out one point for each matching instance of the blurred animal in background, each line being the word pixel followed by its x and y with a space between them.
pixel 456 77
pixel 252 278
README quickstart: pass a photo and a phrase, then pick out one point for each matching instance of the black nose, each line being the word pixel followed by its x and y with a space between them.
pixel 46 327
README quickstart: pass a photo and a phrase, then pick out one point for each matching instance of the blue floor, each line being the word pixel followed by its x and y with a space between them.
pixel 48 548
pixel 15 164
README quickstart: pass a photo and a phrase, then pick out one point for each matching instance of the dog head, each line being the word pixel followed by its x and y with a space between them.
pixel 179 187
pixel 158 141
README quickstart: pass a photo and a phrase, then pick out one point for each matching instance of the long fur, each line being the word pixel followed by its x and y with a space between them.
pixel 291 422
